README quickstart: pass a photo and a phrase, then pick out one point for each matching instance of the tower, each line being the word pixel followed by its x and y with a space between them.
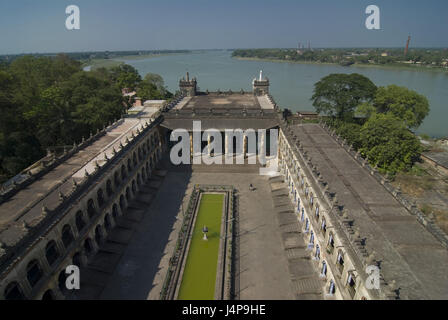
pixel 407 46
pixel 188 86
pixel 260 85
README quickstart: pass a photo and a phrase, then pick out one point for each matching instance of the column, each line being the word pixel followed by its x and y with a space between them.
pixel 245 147
pixel 191 148
pixel 209 145
pixel 262 150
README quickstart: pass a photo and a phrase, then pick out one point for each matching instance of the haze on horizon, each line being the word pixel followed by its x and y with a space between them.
pixel 28 26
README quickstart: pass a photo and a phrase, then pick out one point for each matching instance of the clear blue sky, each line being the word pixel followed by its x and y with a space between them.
pixel 28 26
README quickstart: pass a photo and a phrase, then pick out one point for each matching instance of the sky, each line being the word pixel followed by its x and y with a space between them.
pixel 30 26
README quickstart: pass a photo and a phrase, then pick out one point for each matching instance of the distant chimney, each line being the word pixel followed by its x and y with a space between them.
pixel 407 46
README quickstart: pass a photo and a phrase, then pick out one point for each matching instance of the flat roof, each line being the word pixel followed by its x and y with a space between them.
pixel 26 205
pixel 227 100
pixel 408 252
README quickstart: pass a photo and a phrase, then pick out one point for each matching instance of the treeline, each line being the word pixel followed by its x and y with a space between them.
pixel 48 102
pixel 376 121
pixel 93 54
pixel 434 57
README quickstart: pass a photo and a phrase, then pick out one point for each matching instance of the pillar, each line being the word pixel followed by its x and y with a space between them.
pixel 209 145
pixel 262 150
pixel 245 147
pixel 191 148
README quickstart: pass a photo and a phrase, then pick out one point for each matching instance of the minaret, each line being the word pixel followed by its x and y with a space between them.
pixel 260 86
pixel 188 86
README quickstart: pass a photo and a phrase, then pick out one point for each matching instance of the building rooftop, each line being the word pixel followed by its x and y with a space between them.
pixel 221 111
pixel 23 211
pixel 227 100
pixel 407 251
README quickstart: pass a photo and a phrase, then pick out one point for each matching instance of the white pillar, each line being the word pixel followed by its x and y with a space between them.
pixel 209 144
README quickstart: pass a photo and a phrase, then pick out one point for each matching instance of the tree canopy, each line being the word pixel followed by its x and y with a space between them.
pixel 406 104
pixel 153 87
pixel 338 95
pixel 52 102
pixel 388 143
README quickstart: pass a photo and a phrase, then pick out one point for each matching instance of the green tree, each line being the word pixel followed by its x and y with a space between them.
pixel 403 103
pixel 152 87
pixel 338 95
pixel 388 143
pixel 125 76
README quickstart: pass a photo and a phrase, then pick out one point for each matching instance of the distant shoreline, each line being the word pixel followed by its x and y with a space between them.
pixel 396 67
pixel 119 60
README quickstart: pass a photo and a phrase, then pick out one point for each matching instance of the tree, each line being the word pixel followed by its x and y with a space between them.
pixel 152 87
pixel 388 143
pixel 403 103
pixel 338 95
pixel 125 76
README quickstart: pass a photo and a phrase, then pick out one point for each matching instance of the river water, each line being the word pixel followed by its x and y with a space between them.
pixel 291 84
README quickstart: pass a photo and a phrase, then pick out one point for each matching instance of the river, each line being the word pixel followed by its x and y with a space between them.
pixel 291 84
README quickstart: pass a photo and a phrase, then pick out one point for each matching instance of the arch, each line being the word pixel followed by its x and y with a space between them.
pixel 100 197
pixel 139 180
pixel 115 212
pixel 122 203
pixel 61 280
pixel 316 213
pixel 98 234
pixel 48 295
pixel 134 160
pixel 51 252
pixel 88 246
pixel 340 260
pixel 123 172
pixel 109 190
pixel 128 194
pixel 323 226
pixel 79 221
pixel 311 242
pixel 331 288
pixel 67 235
pixel 129 166
pixel 323 271
pixel 77 259
pixel 91 211
pixel 33 272
pixel 107 222
pixel 134 187
pixel 143 174
pixel 116 179
pixel 14 292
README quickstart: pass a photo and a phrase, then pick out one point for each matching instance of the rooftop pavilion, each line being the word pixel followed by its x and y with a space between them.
pixel 223 109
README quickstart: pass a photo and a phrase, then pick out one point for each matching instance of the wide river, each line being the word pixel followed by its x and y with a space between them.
pixel 291 84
